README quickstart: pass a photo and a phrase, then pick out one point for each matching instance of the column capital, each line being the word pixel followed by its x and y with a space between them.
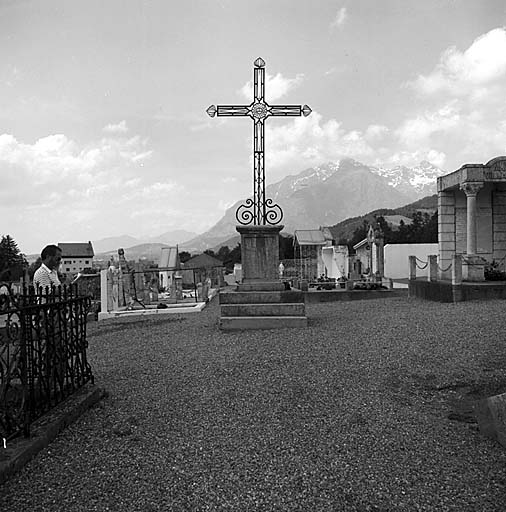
pixel 471 188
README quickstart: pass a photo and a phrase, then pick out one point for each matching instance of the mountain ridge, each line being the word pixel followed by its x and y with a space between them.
pixel 331 192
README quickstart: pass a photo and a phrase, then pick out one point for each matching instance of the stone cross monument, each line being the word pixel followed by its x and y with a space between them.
pixel 259 218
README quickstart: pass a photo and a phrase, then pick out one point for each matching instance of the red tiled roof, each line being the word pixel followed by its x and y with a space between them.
pixel 76 250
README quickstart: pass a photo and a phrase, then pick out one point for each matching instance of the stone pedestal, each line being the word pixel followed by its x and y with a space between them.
pixel 473 268
pixel 261 301
pixel 260 258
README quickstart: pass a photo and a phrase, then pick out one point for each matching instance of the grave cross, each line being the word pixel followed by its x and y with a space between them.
pixel 259 210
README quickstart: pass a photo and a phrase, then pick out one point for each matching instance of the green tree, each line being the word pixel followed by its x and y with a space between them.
pixel 33 267
pixel 223 253
pixel 286 249
pixel 210 252
pixel 184 256
pixel 235 255
pixel 12 262
pixel 358 235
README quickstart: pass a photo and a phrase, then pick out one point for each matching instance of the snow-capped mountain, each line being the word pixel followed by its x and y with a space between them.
pixel 420 179
pixel 331 192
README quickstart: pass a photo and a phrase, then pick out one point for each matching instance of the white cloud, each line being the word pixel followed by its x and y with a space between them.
pixel 275 87
pixel 310 140
pixel 375 132
pixel 469 72
pixel 420 129
pixel 460 105
pixel 340 18
pixel 64 184
pixel 412 158
pixel 120 127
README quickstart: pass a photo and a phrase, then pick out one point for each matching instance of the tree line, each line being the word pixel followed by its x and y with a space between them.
pixel 231 256
pixel 12 262
pixel 423 230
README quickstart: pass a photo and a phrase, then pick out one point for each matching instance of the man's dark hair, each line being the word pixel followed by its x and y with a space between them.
pixel 49 250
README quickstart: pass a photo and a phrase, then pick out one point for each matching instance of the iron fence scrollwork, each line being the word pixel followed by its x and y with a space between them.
pixel 43 356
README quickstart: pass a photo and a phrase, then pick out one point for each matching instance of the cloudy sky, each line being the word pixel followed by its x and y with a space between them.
pixel 103 129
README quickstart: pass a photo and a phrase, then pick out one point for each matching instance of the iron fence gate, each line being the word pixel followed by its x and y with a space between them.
pixel 42 353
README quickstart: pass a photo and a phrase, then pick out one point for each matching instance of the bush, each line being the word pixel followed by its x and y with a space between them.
pixel 492 272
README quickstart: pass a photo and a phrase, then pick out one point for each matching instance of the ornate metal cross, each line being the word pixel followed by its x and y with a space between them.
pixel 259 210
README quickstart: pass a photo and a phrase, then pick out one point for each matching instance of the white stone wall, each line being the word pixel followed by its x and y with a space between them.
pixel 73 265
pixel 336 262
pixel 397 258
pixel 499 222
pixel 484 240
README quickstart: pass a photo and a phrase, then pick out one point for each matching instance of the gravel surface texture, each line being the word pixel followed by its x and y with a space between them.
pixel 365 410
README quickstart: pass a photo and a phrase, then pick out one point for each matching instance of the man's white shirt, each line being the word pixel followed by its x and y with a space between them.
pixel 44 276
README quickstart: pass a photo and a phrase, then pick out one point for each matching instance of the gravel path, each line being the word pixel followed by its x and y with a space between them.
pixel 349 414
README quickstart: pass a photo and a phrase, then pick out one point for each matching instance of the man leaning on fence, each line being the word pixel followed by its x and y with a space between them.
pixel 47 274
pixel 50 355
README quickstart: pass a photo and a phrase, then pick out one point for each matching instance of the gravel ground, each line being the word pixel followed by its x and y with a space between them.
pixel 365 410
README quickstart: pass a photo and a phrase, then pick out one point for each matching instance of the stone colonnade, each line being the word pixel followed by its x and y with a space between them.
pixel 472 218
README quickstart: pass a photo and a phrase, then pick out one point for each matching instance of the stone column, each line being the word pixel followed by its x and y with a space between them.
pixel 471 190
pixel 260 258
pixel 104 294
pixel 412 267
pixel 474 265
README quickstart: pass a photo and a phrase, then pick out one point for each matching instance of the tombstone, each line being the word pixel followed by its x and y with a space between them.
pixel 178 286
pixel 491 415
pixel 153 289
pixel 237 272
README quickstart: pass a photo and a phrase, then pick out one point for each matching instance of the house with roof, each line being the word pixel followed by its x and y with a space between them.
pixel 202 267
pixel 169 265
pixel 76 256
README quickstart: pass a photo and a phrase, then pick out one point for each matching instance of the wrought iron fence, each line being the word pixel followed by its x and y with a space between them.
pixel 42 353
pixel 300 268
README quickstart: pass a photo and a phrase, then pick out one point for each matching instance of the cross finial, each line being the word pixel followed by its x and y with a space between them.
pixel 259 210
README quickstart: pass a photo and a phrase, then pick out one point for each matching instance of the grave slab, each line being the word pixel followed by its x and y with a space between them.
pixel 491 416
pixel 234 323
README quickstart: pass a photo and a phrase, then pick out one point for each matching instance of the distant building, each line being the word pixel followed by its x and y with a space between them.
pixel 201 267
pixel 76 257
pixel 169 264
pixel 308 252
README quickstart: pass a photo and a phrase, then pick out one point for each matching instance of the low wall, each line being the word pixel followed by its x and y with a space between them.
pixel 316 296
pixel 444 291
pixel 397 257
pixel 434 290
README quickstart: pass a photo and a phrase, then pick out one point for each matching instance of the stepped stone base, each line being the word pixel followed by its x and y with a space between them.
pixel 261 286
pixel 239 323
pixel 262 310
pixel 273 309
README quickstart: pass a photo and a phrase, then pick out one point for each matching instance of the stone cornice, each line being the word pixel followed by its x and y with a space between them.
pixel 492 172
